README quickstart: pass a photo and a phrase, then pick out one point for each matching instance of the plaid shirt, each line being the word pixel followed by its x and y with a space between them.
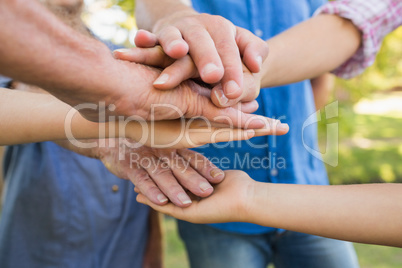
pixel 375 19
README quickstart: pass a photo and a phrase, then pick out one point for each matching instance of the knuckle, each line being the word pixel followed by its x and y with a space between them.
pixel 153 190
pixel 174 190
pixel 227 45
pixel 161 171
pixel 196 32
pixel 141 179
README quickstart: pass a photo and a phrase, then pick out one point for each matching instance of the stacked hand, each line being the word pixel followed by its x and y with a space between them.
pixel 221 206
pixel 162 174
pixel 198 49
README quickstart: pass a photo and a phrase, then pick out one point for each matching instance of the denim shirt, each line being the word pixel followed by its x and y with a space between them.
pixel 281 159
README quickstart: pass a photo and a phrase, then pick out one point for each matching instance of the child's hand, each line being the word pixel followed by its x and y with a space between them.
pixel 192 133
pixel 228 202
pixel 178 70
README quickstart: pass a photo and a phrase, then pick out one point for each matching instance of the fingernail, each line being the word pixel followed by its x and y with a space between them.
pixel 162 198
pixel 250 132
pixel 215 173
pixel 184 199
pixel 283 127
pixel 231 88
pixel 259 60
pixel 221 97
pixel 161 79
pixel 204 186
pixel 122 50
pixel 173 44
pixel 209 68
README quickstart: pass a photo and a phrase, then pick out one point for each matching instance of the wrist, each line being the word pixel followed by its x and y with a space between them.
pixel 82 83
pixel 247 204
pixel 258 202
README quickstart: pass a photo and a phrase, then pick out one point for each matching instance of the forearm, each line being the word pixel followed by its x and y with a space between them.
pixel 149 12
pixel 54 57
pixel 359 213
pixel 309 49
pixel 30 117
pixel 322 87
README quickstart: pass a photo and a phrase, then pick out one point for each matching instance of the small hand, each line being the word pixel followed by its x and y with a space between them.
pixel 161 175
pixel 228 203
pixel 180 133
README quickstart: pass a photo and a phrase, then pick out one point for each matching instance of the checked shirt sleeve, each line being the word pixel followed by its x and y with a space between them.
pixel 375 19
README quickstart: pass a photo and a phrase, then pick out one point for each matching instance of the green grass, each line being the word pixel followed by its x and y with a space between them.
pixel 370 148
pixel 370 256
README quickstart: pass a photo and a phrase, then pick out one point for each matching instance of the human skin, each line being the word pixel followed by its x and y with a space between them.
pixel 69 64
pixel 216 46
pixel 323 43
pixel 51 119
pixel 370 213
pixel 163 175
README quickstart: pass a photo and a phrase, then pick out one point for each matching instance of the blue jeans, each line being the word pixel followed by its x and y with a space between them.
pixel 208 247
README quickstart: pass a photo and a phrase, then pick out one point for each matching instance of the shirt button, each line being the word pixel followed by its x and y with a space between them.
pixel 259 33
pixel 274 172
pixel 115 188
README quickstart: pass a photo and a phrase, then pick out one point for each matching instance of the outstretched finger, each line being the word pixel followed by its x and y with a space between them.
pixel 153 56
pixel 185 174
pixel 232 80
pixel 144 184
pixel 204 54
pixel 253 49
pixel 179 71
pixel 172 42
pixel 145 39
pixel 202 165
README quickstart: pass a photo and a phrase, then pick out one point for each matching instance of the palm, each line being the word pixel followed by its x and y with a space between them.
pixel 228 196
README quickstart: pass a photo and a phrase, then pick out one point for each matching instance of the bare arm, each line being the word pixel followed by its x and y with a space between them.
pixel 360 213
pixel 37 48
pixel 309 49
pixel 78 69
pixel 31 117
pixel 306 51
pixel 322 87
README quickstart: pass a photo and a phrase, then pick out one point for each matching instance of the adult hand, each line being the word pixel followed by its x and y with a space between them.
pixel 214 43
pixel 176 71
pixel 162 175
pixel 228 203
pixel 187 100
